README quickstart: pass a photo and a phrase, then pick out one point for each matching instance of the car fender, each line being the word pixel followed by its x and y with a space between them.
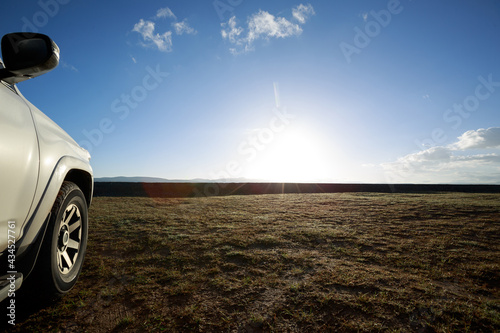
pixel 34 228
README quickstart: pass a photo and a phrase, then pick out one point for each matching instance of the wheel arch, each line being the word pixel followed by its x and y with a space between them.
pixel 68 168
pixel 83 180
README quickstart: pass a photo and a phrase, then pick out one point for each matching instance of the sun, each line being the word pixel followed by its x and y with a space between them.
pixel 295 155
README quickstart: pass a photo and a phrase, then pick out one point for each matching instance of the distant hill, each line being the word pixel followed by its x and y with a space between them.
pixel 133 180
pixel 122 179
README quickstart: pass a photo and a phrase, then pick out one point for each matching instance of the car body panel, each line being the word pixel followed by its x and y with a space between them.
pixel 19 161
pixel 55 154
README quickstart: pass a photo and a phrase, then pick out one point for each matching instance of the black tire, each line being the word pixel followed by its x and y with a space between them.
pixel 61 257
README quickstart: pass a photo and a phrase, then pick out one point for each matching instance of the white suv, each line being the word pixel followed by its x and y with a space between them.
pixel 46 181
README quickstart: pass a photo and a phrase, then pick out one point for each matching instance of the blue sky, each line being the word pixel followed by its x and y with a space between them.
pixel 335 91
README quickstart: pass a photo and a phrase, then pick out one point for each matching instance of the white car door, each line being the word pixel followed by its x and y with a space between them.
pixel 19 161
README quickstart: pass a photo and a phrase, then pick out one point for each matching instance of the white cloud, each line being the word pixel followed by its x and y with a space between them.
pixel 263 25
pixel 147 29
pixel 165 13
pixel 163 41
pixel 302 12
pixel 232 33
pixel 480 139
pixel 266 25
pixel 431 155
pixel 183 27
pixel 458 162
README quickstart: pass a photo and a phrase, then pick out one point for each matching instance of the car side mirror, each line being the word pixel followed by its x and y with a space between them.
pixel 27 55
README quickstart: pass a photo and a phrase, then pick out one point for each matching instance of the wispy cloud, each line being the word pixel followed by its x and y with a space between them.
pixel 165 13
pixel 70 67
pixel 303 12
pixel 232 33
pixel 147 30
pixel 266 25
pixel 162 41
pixel 263 25
pixel 183 27
pixel 458 162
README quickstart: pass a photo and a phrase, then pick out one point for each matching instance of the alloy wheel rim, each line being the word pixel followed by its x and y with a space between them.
pixel 69 239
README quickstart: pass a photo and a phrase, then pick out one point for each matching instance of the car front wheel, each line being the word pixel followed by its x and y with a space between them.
pixel 65 241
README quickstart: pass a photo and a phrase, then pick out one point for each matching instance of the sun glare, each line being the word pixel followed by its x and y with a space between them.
pixel 294 156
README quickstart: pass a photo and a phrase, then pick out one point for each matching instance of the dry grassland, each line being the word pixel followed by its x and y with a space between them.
pixel 286 263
